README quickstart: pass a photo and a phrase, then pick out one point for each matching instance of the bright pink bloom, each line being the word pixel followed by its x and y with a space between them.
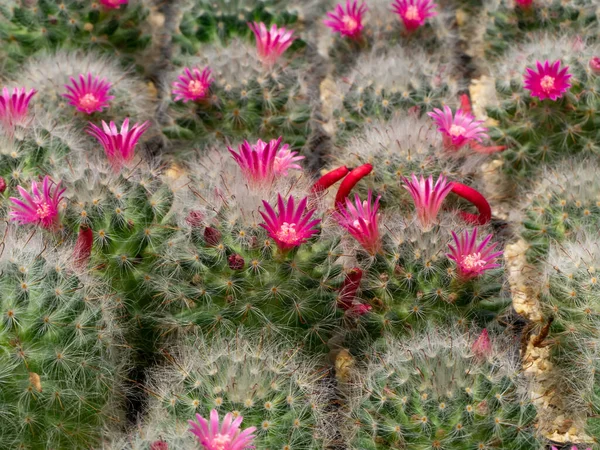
pixel 118 145
pixel 285 161
pixel 113 4
pixel 271 43
pixel 595 65
pixel 459 129
pixel 360 219
pixel 226 436
pixel 89 94
pixel 471 259
pixel 524 3
pixel 428 197
pixel 482 345
pixel 193 85
pixel 347 22
pixel 39 207
pixel 292 226
pixel 414 12
pixel 14 107
pixel 549 81
pixel 263 162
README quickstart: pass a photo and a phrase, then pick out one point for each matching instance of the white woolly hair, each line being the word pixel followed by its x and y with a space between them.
pixel 241 369
pixel 49 72
pixel 394 69
pixel 577 260
pixel 215 182
pixel 540 47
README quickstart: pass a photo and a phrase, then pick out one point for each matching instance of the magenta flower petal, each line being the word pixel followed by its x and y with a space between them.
pixel 192 85
pixel 14 107
pixel 360 219
pixel 285 161
pixel 88 94
pixel 347 21
pixel 549 81
pixel 118 145
pixel 228 436
pixel 459 129
pixel 428 197
pixel 290 227
pixel 113 4
pixel 472 260
pixel 38 207
pixel 271 43
pixel 414 13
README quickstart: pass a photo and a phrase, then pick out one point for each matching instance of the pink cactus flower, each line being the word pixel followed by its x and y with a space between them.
pixel 360 219
pixel 595 65
pixel 192 85
pixel 348 21
pixel 414 13
pixel 14 107
pixel 428 197
pixel 292 226
pixel 285 161
pixel 549 81
pixel 263 162
pixel 482 345
pixel 88 95
pixel 38 207
pixel 458 130
pixel 118 145
pixel 113 4
pixel 524 3
pixel 271 43
pixel 472 260
pixel 226 436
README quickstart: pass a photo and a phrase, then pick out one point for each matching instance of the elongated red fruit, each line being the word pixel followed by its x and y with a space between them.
pixel 349 288
pixel 473 196
pixel 329 179
pixel 83 246
pixel 483 149
pixel 465 103
pixel 350 181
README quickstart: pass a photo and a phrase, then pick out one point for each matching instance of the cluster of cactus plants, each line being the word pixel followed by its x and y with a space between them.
pixel 271 230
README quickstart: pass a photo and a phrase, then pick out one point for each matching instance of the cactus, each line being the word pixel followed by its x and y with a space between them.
pixel 510 23
pixel 277 388
pixel 246 101
pixel 28 26
pixel 62 353
pixel 438 390
pixel 536 130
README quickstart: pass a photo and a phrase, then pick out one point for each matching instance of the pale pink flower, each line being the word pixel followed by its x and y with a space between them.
pixel 549 81
pixel 291 226
pixel 348 21
pixel 595 65
pixel 360 219
pixel 226 436
pixel 14 107
pixel 285 161
pixel 459 129
pixel 482 345
pixel 39 207
pixel 271 43
pixel 414 13
pixel 113 4
pixel 192 85
pixel 118 145
pixel 428 197
pixel 89 94
pixel 471 259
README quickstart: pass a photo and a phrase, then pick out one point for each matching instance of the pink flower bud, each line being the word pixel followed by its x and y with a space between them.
pixel 482 345
pixel 2 185
pixel 159 445
pixel 236 262
pixel 212 236
pixel 194 218
pixel 361 309
pixel 83 246
pixel 349 288
pixel 595 65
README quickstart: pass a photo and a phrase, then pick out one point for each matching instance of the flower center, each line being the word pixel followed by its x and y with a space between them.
pixel 473 261
pixel 412 13
pixel 287 233
pixel 457 130
pixel 197 88
pixel 221 442
pixel 547 83
pixel 350 24
pixel 88 101
pixel 43 210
